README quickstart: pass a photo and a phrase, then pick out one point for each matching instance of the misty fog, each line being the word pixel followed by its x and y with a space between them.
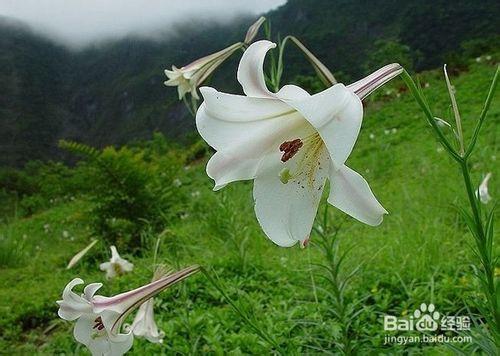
pixel 77 23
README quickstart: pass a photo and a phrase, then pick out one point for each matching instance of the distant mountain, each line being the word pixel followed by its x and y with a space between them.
pixel 114 92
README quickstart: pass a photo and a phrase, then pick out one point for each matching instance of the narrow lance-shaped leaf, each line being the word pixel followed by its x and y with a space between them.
pixel 482 116
pixel 458 120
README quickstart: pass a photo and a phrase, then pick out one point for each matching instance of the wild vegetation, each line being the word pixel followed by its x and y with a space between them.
pixel 154 201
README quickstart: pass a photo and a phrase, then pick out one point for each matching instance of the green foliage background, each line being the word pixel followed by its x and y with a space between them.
pixel 419 254
pixel 112 93
pixel 130 171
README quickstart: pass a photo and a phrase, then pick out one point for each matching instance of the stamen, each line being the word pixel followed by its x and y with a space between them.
pixel 98 323
pixel 290 148
pixel 303 170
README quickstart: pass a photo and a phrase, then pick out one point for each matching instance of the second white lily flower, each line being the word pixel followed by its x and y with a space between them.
pixel 116 265
pixel 188 78
pixel 482 192
pixel 290 143
pixel 99 319
pixel 144 324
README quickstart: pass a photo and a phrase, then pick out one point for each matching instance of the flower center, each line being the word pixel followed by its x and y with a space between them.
pixel 117 268
pixel 290 148
pixel 303 171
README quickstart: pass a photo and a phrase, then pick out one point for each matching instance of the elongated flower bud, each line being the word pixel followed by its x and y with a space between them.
pixel 254 29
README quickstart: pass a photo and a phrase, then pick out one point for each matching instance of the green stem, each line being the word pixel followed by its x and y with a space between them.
pixel 417 94
pixel 484 250
pixel 472 199
pixel 483 244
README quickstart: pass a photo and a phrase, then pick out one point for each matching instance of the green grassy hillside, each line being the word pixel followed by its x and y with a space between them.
pixel 419 254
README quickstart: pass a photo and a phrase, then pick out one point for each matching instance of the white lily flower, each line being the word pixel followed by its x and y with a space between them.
pixel 116 265
pixel 289 142
pixel 144 324
pixel 482 191
pixel 188 78
pixel 99 319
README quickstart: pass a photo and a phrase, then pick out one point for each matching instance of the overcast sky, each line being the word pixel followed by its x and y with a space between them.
pixel 80 22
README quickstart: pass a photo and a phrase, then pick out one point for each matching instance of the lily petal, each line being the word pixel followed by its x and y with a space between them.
pixel 227 168
pixel 243 130
pixel 240 162
pixel 144 324
pixel 482 192
pixel 101 342
pixel 350 193
pixel 114 253
pixel 72 306
pixel 84 328
pixel 337 114
pixel 121 344
pixel 292 92
pixel 224 120
pixel 286 211
pixel 251 72
pixel 90 290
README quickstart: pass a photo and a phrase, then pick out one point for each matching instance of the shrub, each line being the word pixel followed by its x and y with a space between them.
pixel 39 185
pixel 131 189
pixel 389 51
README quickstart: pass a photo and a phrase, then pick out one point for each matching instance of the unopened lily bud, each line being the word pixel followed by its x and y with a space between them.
pixel 254 29
pixel 188 78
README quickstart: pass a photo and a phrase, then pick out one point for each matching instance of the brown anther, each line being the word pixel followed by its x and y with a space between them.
pixel 290 149
pixel 98 323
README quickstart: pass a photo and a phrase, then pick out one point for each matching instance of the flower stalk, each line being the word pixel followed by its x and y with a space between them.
pixel 481 228
pixel 322 72
pixel 338 277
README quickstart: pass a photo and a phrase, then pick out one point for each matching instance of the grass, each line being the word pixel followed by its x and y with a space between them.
pixel 420 254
